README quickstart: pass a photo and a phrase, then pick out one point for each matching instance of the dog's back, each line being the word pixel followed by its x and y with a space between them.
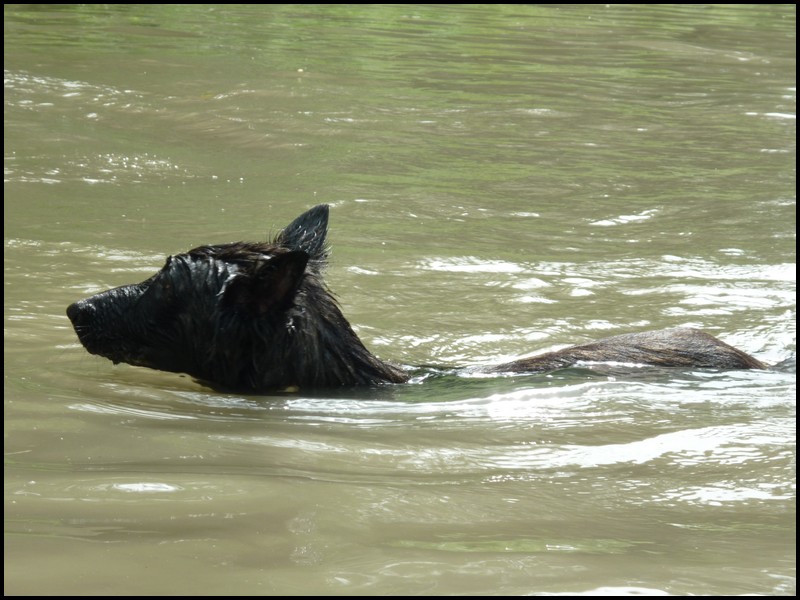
pixel 677 347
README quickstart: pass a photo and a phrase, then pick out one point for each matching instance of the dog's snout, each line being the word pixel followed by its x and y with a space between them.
pixel 79 312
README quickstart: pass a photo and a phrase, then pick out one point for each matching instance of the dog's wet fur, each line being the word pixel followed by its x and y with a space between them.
pixel 258 317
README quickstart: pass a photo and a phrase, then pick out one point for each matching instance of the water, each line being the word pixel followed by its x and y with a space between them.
pixel 503 180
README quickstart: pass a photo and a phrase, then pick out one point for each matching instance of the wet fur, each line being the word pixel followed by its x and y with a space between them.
pixel 258 317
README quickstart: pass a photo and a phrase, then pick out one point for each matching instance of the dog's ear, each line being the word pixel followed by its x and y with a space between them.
pixel 307 233
pixel 268 285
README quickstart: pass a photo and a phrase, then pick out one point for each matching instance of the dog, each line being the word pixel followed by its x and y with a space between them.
pixel 258 317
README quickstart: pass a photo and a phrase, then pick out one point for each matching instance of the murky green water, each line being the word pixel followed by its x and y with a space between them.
pixel 503 180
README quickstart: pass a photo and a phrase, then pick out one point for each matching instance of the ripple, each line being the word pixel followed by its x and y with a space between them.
pixel 146 487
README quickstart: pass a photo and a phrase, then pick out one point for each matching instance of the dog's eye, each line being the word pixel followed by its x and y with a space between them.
pixel 160 288
pixel 165 285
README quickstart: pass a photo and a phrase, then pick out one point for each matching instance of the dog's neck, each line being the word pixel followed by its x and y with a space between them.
pixel 324 351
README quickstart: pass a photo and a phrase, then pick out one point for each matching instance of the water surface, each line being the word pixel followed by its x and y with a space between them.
pixel 503 180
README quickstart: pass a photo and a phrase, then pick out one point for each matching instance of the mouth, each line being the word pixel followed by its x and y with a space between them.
pixel 83 316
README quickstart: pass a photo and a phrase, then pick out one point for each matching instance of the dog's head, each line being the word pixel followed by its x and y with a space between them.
pixel 244 316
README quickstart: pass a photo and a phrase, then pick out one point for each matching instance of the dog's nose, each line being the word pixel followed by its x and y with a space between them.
pixel 79 312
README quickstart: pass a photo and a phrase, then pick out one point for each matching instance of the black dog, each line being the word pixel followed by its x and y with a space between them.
pixel 258 317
